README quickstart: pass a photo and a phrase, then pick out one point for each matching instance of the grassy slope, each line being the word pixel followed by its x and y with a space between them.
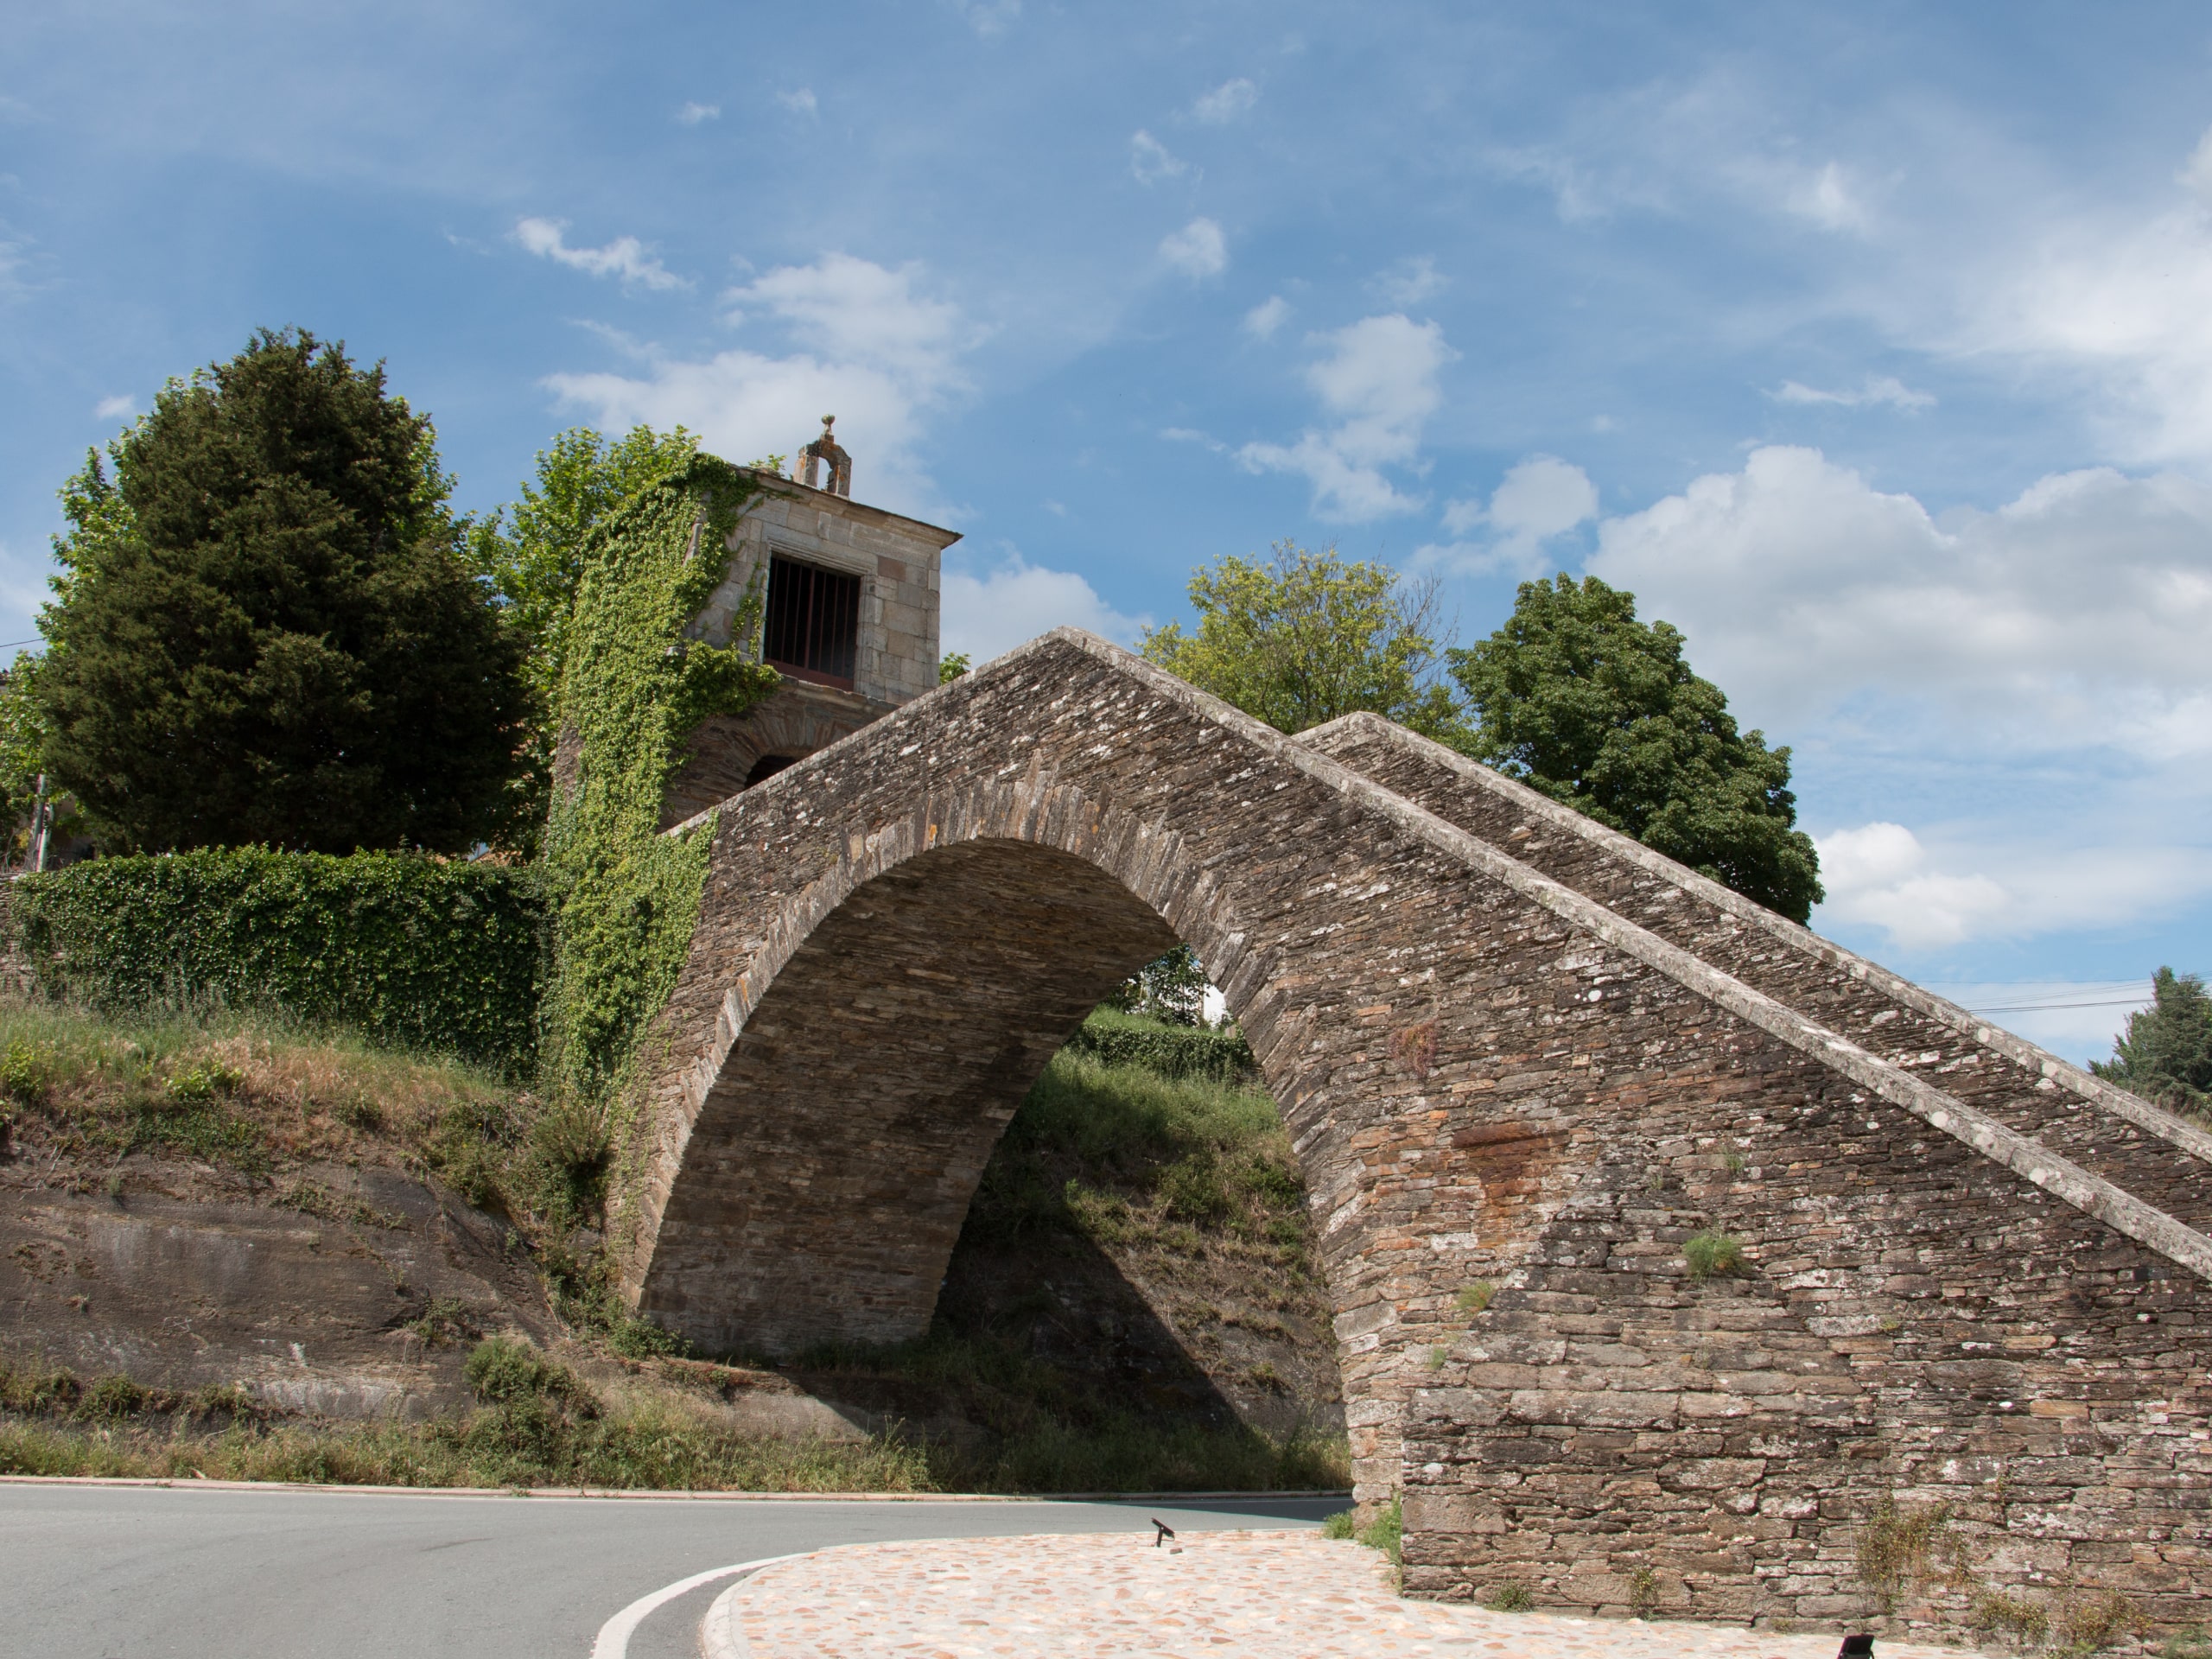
pixel 1132 1295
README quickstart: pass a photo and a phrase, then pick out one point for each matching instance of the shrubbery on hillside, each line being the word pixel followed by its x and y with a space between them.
pixel 446 958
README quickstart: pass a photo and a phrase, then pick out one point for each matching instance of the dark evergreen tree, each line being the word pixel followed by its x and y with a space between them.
pixel 1577 698
pixel 2166 1056
pixel 264 630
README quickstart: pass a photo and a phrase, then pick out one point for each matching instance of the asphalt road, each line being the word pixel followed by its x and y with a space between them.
pixel 133 1572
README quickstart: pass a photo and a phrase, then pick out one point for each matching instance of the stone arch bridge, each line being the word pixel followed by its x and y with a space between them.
pixel 1520 1056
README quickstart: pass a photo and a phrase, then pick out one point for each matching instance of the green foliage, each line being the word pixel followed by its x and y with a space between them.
pixel 438 956
pixel 633 688
pixel 1342 1524
pixel 501 1369
pixel 22 757
pixel 1511 1597
pixel 2166 1056
pixel 1170 1050
pixel 1304 637
pixel 1577 699
pixel 262 631
pixel 1476 1297
pixel 1713 1254
pixel 1386 1532
pixel 1171 989
pixel 533 553
pixel 951 666
pixel 531 556
pixel 1089 1138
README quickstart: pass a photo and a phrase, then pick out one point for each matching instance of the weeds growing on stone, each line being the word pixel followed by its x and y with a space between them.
pixel 1900 1547
pixel 1713 1254
pixel 1511 1597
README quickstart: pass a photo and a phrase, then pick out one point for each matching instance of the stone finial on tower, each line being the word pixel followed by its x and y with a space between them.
pixel 826 448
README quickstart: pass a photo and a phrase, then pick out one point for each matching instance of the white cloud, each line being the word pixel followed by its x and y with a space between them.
pixel 1378 379
pixel 1830 199
pixel 1409 281
pixel 1263 318
pixel 2075 615
pixel 1977 885
pixel 875 351
pixel 988 17
pixel 692 114
pixel 122 406
pixel 1539 498
pixel 800 101
pixel 1877 388
pixel 1198 250
pixel 2126 303
pixel 1879 876
pixel 1226 102
pixel 1150 160
pixel 988 615
pixel 625 257
pixel 2196 173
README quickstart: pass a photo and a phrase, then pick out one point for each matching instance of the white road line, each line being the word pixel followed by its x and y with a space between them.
pixel 614 1636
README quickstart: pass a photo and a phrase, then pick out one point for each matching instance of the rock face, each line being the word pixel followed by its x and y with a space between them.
pixel 1534 1072
pixel 185 1281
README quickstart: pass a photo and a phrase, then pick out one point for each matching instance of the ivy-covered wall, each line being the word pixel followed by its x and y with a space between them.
pixel 448 958
pixel 634 688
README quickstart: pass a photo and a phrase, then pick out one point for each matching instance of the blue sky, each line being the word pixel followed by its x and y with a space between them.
pixel 1870 345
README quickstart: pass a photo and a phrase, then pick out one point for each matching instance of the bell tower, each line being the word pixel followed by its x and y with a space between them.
pixel 850 618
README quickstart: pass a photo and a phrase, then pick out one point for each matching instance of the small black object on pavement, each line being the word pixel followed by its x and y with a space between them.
pixel 1857 1647
pixel 1166 1532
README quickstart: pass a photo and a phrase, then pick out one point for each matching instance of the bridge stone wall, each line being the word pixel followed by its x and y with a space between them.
pixel 1514 1096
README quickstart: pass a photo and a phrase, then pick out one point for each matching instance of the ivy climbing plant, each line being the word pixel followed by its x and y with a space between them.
pixel 633 688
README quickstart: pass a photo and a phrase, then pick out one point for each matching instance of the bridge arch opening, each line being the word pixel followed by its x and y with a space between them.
pixel 833 1160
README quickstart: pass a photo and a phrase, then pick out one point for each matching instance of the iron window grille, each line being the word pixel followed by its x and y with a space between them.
pixel 813 627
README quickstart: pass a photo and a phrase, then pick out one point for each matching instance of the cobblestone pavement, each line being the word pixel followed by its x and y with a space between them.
pixel 1255 1595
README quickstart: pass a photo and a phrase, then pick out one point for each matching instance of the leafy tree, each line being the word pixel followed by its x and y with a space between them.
pixel 1171 989
pixel 2166 1056
pixel 263 631
pixel 531 552
pixel 1576 697
pixel 951 666
pixel 1306 637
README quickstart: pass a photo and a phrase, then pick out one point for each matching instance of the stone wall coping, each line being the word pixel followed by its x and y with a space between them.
pixel 2033 1162
pixel 2168 1126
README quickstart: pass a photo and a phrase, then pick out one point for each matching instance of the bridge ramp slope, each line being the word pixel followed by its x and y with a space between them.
pixel 1514 1107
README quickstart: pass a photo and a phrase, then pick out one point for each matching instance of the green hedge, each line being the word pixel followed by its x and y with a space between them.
pixel 444 957
pixel 1172 1051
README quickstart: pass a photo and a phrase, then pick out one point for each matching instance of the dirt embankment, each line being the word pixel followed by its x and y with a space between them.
pixel 197 1210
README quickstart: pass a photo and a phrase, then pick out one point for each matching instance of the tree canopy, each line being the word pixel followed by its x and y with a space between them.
pixel 263 631
pixel 531 552
pixel 1304 637
pixel 2166 1054
pixel 1577 698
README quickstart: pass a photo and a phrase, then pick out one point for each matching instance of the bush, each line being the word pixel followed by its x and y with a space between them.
pixel 1171 1051
pixel 444 957
pixel 504 1372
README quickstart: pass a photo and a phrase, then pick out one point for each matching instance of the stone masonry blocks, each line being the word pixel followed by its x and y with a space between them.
pixel 1519 1079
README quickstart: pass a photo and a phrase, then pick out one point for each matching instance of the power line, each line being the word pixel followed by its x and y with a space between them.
pixel 2039 1007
